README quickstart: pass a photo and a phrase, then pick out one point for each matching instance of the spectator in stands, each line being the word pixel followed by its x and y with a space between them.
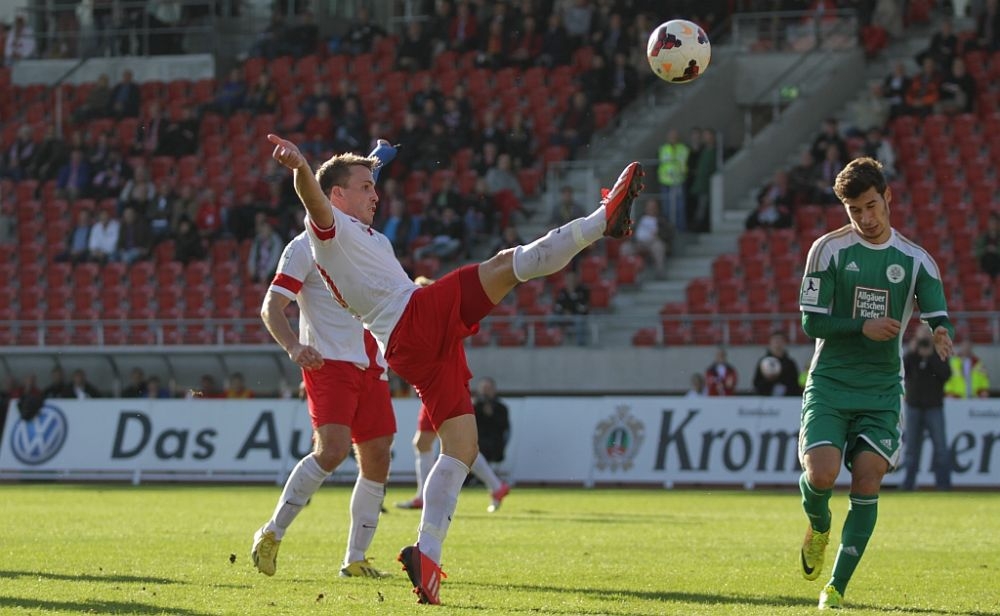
pixel 481 213
pixel 577 16
pixel 78 242
pixel 320 95
pixel 519 142
pixel 611 39
pixel 8 222
pixel 720 376
pixel 137 384
pixel 50 156
pixel 987 248
pixel 138 192
pixel 20 43
pixel 97 103
pixel 125 97
pixel 624 80
pixel 319 129
pixel 492 421
pixel 410 133
pixel 888 15
pixel 571 306
pixel 647 239
pixel 828 167
pixel 110 180
pixel 20 154
pixel 398 227
pixel 414 52
pixel 829 135
pixel 943 47
pixel 968 375
pixel 871 110
pixel 526 44
pixel 265 250
pixel 447 232
pixel 464 28
pixel 438 25
pixel 103 237
pixel 186 205
pixel 231 95
pixel 58 386
pixel 672 172
pixel 803 179
pixel 895 86
pixel 987 25
pixel 98 155
pixel 493 48
pixel 154 389
pixel 576 125
pixel 135 240
pixel 435 150
pixel 595 80
pixel 262 96
pixel 555 43
pixel 490 132
pixel 149 132
pixel 697 389
pixel 774 205
pixel 208 389
pixel 500 177
pixel 73 181
pixel 180 137
pixel 701 188
pixel 880 148
pixel 957 90
pixel 237 387
pixel 208 217
pixel 786 381
pixel 428 91
pixel 81 387
pixel 361 35
pixel 352 127
pixel 925 90
pixel 188 244
pixel 160 212
pixel 347 90
pixel 447 196
pixel 566 208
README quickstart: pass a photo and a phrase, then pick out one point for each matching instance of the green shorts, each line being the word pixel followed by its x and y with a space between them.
pixel 850 430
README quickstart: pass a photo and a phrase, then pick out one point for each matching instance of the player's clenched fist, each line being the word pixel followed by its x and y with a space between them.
pixel 306 356
pixel 881 330
pixel 286 152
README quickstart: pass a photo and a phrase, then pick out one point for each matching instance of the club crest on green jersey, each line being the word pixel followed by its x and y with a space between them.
pixel 895 273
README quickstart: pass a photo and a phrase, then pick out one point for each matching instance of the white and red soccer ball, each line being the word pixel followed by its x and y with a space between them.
pixel 678 51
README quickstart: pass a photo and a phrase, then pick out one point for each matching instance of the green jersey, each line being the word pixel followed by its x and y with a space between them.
pixel 847 277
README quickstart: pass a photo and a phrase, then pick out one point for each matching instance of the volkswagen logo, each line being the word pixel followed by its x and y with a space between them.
pixel 36 441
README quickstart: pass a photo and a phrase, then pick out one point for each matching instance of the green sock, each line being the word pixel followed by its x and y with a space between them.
pixel 816 504
pixel 858 529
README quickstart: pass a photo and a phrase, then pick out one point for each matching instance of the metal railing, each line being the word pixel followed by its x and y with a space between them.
pixel 590 330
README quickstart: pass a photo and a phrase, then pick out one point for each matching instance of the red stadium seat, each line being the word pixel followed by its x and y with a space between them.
pixel 511 337
pixel 647 336
pixel 601 293
pixel 592 268
pixel 112 274
pixel 140 273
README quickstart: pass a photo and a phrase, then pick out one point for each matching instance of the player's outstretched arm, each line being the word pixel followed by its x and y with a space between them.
pixel 316 203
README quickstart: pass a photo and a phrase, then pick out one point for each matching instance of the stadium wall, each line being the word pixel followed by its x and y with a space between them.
pixel 156 68
pixel 665 441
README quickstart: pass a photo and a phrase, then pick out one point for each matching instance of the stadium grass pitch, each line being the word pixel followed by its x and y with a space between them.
pixel 78 549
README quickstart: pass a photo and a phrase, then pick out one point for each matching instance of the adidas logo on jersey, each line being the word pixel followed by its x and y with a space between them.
pixel 852 267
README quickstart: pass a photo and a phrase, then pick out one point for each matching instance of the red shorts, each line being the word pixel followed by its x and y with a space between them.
pixel 341 393
pixel 426 347
pixel 424 420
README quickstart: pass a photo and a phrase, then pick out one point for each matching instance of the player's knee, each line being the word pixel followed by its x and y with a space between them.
pixel 330 455
pixel 822 478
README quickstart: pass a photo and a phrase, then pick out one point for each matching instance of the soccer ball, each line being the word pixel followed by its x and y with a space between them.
pixel 770 367
pixel 678 51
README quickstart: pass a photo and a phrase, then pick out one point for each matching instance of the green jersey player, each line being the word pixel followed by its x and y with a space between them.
pixel 862 283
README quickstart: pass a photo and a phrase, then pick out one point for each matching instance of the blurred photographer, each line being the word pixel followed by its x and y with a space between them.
pixel 926 374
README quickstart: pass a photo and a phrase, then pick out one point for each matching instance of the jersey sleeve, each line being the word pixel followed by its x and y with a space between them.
pixel 820 277
pixel 930 289
pixel 295 264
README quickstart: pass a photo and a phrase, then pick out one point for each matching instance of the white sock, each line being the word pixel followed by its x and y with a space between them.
pixel 366 505
pixel 305 480
pixel 553 251
pixel 425 460
pixel 484 472
pixel 440 498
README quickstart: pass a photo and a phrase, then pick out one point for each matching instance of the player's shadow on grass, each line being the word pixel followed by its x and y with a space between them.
pixel 94 607
pixel 84 577
pixel 707 598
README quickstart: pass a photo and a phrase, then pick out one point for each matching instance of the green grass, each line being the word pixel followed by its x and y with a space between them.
pixel 70 549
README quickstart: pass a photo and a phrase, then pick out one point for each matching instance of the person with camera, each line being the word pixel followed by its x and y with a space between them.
pixel 925 376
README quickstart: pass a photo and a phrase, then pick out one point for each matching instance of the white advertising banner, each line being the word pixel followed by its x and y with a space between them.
pixel 668 441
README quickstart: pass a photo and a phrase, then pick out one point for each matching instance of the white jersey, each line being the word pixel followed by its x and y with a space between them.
pixel 323 324
pixel 360 268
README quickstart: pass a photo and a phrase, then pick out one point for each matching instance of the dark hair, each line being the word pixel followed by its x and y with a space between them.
pixel 337 170
pixel 857 177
